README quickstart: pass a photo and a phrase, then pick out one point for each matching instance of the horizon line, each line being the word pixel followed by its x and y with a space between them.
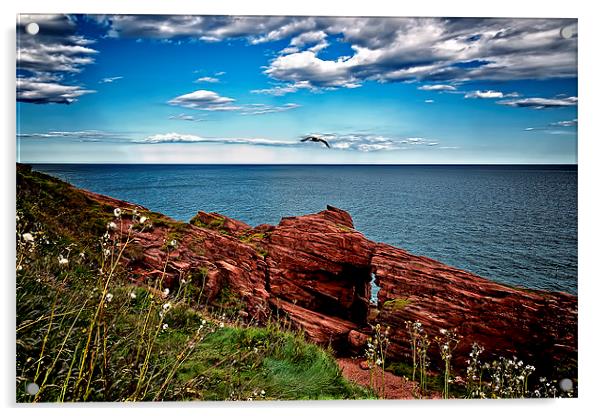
pixel 297 164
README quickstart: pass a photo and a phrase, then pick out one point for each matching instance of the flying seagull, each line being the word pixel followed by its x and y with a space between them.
pixel 315 139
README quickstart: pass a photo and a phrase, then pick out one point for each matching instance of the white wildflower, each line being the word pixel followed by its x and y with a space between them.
pixel 173 243
pixel 27 237
pixel 19 268
pixel 167 306
pixel 165 326
pixel 107 252
pixel 112 226
pixel 63 261
pixel 203 322
pixel 263 392
pixel 109 297
pixel 443 331
pixel 117 212
pixel 143 220
pixel 166 291
pixel 221 324
pixel 133 295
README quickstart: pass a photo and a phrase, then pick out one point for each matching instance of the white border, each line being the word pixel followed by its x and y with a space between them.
pixel 589 155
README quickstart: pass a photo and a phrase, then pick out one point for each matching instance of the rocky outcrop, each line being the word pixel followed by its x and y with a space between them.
pixel 539 327
pixel 317 270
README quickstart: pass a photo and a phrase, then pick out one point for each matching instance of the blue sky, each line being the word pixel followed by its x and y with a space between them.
pixel 219 89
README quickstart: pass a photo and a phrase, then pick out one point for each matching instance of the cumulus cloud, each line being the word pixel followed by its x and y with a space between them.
pixel 43 60
pixel 541 103
pixel 44 91
pixel 429 101
pixel 437 87
pixel 212 101
pixel 435 50
pixel 204 100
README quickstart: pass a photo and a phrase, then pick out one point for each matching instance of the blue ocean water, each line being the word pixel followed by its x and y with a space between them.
pixel 513 224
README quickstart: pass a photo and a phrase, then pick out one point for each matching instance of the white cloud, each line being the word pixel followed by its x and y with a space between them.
pixel 184 117
pixel 342 142
pixel 204 100
pixel 109 80
pixel 207 79
pixel 256 109
pixel 192 138
pixel 484 94
pixel 565 123
pixel 541 103
pixel 84 135
pixel 43 60
pixel 280 90
pixel 211 101
pixel 44 91
pixel 383 49
pixel 429 101
pixel 437 87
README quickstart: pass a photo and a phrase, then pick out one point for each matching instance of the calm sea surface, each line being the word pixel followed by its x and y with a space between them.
pixel 512 224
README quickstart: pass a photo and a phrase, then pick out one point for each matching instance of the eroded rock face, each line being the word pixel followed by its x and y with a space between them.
pixel 316 269
pixel 538 327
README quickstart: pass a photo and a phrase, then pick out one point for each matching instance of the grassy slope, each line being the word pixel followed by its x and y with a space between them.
pixel 78 344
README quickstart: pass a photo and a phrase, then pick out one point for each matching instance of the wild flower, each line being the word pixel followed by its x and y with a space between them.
pixel 133 295
pixel 112 226
pixel 173 243
pixel 142 220
pixel 447 344
pixel 221 324
pixel 166 291
pixel 117 212
pixel 375 353
pixel 109 297
pixel 63 261
pixel 28 238
pixel 165 326
pixel 166 306
pixel 106 252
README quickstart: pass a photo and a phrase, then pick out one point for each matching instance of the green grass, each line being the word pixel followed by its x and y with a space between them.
pixel 396 304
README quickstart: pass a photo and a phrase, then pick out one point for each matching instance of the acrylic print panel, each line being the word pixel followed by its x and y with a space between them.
pixel 295 208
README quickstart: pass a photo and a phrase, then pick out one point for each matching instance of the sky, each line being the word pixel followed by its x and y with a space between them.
pixel 236 89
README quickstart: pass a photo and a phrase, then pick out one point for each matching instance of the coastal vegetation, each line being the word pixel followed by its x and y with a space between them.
pixel 88 331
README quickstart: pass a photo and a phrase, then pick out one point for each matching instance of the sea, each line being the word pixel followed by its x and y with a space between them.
pixel 514 224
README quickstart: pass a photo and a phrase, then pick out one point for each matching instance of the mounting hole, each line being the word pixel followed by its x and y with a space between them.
pixel 32 388
pixel 32 28
pixel 566 384
pixel 567 32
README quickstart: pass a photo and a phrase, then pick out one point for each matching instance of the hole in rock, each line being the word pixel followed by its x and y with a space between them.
pixel 374 288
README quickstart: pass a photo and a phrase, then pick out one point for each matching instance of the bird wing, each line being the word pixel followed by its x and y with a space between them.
pixel 306 138
pixel 325 142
